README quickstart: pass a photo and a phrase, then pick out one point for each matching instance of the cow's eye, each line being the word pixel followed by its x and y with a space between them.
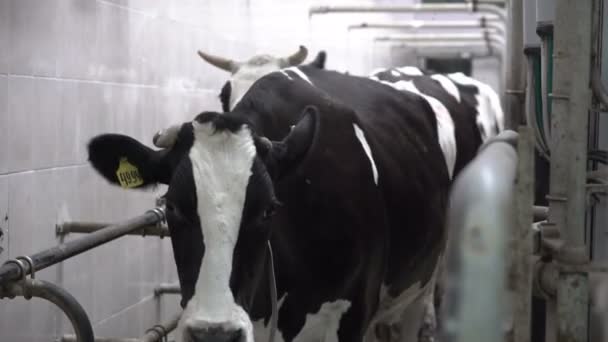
pixel 271 210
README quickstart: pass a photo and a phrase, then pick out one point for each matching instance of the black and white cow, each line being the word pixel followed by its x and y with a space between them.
pixel 346 177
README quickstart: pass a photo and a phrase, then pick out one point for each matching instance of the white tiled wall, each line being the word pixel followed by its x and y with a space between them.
pixel 71 69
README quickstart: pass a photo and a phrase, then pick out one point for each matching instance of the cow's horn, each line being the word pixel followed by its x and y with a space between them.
pixel 298 57
pixel 166 138
pixel 222 63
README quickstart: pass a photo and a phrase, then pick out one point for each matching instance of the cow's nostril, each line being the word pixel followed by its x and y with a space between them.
pixel 214 334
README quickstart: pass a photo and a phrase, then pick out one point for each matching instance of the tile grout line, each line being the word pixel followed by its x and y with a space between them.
pixel 118 84
pixel 123 310
pixel 50 168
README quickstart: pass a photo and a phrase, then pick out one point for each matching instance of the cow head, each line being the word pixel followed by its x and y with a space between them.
pixel 244 74
pixel 220 202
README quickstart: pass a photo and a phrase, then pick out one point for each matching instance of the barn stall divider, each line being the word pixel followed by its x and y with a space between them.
pixel 14 281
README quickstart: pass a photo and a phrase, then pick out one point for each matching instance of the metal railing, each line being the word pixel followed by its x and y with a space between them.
pixel 13 273
pixel 154 334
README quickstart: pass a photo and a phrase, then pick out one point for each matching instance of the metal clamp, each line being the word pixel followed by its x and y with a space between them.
pixel 162 218
pixel 160 331
pixel 23 282
pixel 159 212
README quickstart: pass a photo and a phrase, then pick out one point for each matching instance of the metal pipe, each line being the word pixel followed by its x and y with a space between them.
pixel 165 288
pixel 540 213
pixel 54 255
pixel 522 237
pixel 497 2
pixel 414 8
pixel 29 288
pixel 598 88
pixel 154 334
pixel 494 46
pixel 449 51
pixel 514 93
pixel 441 36
pixel 91 227
pixel 571 100
pixel 482 23
pixel 479 217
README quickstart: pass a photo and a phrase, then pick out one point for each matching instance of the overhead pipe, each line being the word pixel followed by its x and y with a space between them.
pixel 10 271
pixel 461 49
pixel 483 23
pixel 91 227
pixel 29 288
pixel 455 37
pixel 155 334
pixel 414 8
pixel 479 218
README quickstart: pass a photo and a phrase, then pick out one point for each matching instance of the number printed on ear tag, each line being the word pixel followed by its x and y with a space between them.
pixel 128 174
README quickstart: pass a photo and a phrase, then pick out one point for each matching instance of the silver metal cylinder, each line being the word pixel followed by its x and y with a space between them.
pixel 479 217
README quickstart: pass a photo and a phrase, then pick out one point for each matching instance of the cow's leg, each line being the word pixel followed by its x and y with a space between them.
pixel 428 329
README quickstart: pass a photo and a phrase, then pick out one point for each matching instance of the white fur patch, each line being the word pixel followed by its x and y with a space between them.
pixel 261 331
pixel 377 71
pixel 299 72
pixel 221 166
pixel 286 75
pixel 445 124
pixel 395 73
pixel 361 136
pixel 323 326
pixel 489 110
pixel 410 71
pixel 448 85
pixel 244 78
pixel 406 312
pixel 239 89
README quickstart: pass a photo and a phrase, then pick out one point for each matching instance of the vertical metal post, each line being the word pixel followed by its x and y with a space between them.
pixel 515 64
pixel 522 251
pixel 569 125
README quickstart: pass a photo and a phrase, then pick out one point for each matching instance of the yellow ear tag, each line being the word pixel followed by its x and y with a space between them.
pixel 128 174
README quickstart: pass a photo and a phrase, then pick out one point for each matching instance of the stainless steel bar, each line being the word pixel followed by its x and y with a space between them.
pixel 54 255
pixel 90 227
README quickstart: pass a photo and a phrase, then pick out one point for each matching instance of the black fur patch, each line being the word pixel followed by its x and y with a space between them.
pixel 225 94
pixel 223 122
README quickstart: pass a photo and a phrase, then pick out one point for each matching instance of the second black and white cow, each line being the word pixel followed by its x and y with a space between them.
pixel 344 176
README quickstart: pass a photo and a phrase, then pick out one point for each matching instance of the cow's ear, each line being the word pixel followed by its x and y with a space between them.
pixel 319 61
pixel 284 156
pixel 125 161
